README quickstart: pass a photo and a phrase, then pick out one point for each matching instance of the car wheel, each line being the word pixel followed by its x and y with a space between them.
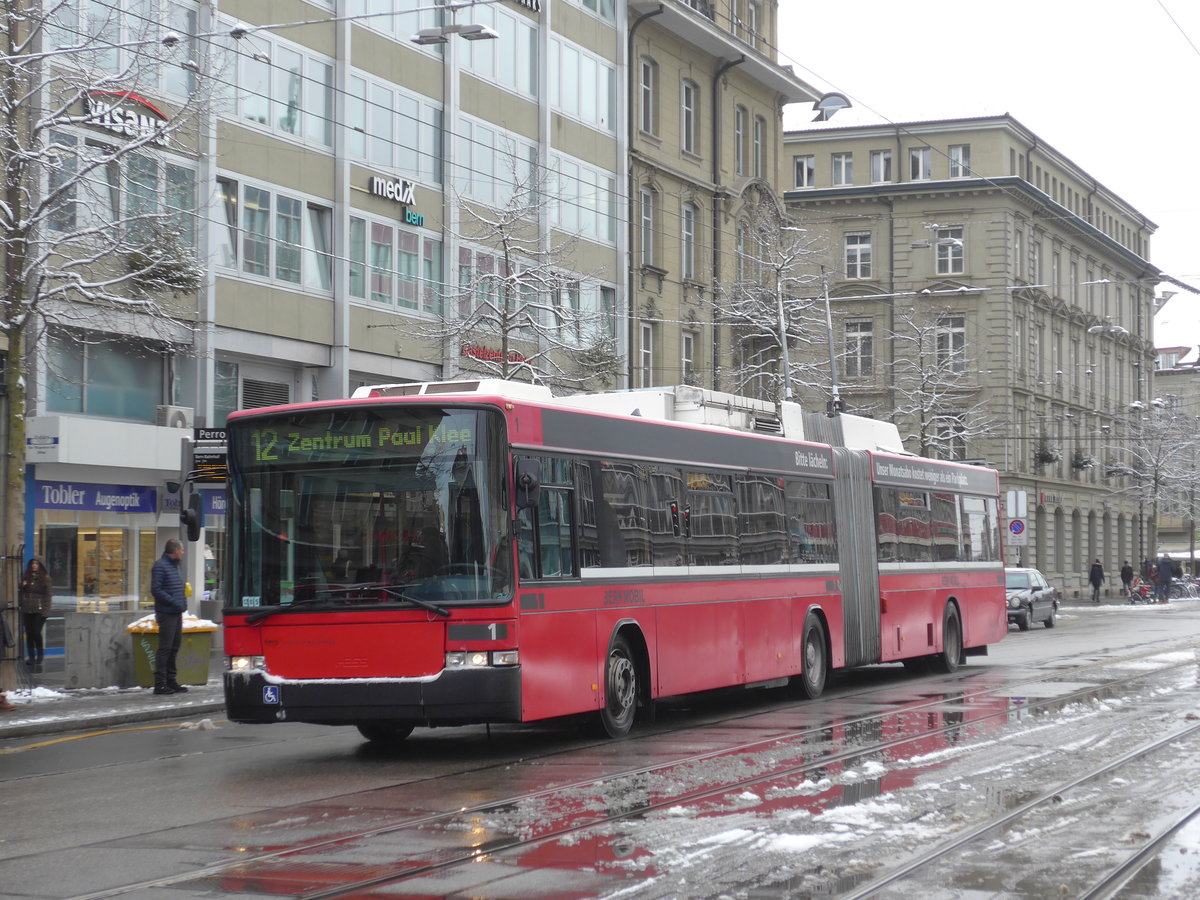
pixel 1025 621
pixel 1050 619
pixel 620 690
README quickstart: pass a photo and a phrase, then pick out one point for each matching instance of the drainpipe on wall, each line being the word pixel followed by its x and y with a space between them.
pixel 716 207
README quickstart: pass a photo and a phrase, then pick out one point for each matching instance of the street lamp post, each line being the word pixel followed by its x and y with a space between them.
pixel 441 34
pixel 835 402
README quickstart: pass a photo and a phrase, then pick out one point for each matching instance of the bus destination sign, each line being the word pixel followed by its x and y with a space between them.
pixel 300 441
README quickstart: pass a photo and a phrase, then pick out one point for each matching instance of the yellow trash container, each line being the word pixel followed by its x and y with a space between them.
pixel 195 649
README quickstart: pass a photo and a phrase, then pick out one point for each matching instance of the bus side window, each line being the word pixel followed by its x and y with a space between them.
pixel 545 534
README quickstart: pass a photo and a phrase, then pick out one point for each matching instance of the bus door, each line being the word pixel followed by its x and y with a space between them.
pixel 859 566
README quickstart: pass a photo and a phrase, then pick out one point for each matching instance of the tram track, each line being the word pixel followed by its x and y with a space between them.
pixel 1106 886
pixel 805 741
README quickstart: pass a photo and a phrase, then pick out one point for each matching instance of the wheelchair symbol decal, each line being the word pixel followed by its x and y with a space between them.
pixel 271 694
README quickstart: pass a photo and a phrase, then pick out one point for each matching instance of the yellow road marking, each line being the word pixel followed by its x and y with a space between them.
pixel 90 734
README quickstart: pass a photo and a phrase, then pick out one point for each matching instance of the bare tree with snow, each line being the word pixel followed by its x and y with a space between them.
pixel 937 404
pixel 520 308
pixel 774 306
pixel 1156 463
pixel 98 216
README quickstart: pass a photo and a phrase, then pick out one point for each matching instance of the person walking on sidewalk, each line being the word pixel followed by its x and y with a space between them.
pixel 1096 577
pixel 1127 578
pixel 35 601
pixel 170 603
pixel 1162 579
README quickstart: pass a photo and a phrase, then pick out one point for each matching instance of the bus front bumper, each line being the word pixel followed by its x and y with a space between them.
pixel 453 697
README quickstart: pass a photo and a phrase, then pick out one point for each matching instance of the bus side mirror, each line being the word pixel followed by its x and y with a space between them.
pixel 192 516
pixel 528 485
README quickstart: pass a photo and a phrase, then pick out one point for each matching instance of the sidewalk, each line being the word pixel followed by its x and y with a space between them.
pixel 44 706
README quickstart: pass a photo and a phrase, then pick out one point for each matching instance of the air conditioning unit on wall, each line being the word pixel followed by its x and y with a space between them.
pixel 175 416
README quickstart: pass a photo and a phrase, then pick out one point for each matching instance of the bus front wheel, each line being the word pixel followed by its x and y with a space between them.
pixel 385 735
pixel 620 690
pixel 952 642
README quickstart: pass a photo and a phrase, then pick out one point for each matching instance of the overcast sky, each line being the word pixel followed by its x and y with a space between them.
pixel 1111 85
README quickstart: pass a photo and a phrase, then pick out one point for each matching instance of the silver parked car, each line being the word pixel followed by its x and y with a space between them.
pixel 1030 598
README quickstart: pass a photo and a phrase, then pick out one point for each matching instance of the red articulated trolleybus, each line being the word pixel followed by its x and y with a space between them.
pixel 465 552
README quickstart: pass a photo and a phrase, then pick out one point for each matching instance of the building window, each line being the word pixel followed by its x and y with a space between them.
pixel 98 376
pixel 740 136
pixel 647 235
pixel 960 160
pixel 950 256
pixel 951 343
pixel 281 237
pixel 687 358
pixel 647 88
pixel 688 240
pixel 805 170
pixel 881 166
pixel 393 129
pixel 743 264
pixel 136 191
pixel 843 168
pixel 753 22
pixel 646 356
pixel 606 9
pixel 858 255
pixel 586 199
pixel 286 91
pixel 112 37
pixel 760 146
pixel 582 85
pixel 1035 259
pixel 860 348
pixel 920 162
pixel 690 138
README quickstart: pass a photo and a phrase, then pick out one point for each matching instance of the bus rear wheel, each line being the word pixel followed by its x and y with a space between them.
pixel 385 735
pixel 620 690
pixel 952 642
pixel 816 663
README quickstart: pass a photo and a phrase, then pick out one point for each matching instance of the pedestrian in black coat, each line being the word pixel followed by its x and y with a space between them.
pixel 1096 577
pixel 170 603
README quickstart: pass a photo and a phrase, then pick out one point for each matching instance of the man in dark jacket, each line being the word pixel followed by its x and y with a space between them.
pixel 1096 577
pixel 170 603
pixel 1162 576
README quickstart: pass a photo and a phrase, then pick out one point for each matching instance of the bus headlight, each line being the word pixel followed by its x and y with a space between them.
pixel 245 663
pixel 478 659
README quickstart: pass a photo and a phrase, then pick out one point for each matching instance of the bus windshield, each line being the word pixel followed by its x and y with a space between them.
pixel 368 505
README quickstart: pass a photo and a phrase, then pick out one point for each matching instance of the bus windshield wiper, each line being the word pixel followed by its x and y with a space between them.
pixel 424 604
